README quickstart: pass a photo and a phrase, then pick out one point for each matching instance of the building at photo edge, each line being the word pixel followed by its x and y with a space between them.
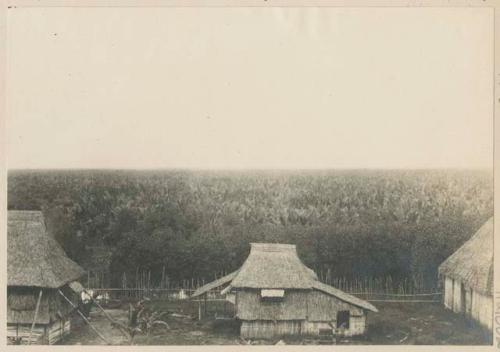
pixel 38 271
pixel 467 278
pixel 276 295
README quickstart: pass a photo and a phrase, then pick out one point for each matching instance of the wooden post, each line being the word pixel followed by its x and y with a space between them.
pixel 141 280
pixel 137 282
pixel 205 305
pixel 163 277
pixel 84 317
pixel 124 283
pixel 149 283
pixel 36 315
pixel 199 309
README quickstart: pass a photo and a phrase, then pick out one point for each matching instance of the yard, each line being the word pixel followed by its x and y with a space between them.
pixel 396 323
pixel 422 324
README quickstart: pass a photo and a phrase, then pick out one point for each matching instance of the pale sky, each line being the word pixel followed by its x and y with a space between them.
pixel 249 88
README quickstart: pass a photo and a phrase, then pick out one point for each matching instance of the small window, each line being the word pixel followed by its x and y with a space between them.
pixel 343 319
pixel 272 295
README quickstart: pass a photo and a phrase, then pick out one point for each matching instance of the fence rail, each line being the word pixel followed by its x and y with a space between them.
pixel 138 289
pixel 145 283
pixel 396 294
pixel 433 297
pixel 215 295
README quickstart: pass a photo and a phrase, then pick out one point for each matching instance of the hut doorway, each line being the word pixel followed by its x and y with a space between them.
pixel 343 319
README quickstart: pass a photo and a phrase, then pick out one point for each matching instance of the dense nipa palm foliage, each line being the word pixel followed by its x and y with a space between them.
pixel 352 224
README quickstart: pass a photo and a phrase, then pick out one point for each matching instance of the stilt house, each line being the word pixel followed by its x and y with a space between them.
pixel 38 275
pixel 276 295
pixel 467 277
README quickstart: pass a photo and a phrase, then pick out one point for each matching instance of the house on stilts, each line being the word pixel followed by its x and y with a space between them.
pixel 467 277
pixel 40 279
pixel 276 295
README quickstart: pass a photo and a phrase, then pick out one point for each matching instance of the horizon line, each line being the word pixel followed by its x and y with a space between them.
pixel 491 168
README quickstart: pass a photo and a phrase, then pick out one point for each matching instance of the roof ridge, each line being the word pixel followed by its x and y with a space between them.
pixel 272 247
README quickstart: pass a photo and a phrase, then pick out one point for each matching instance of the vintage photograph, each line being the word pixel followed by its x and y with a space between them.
pixel 262 175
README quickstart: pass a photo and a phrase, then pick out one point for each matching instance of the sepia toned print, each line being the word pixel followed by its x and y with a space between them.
pixel 206 176
pixel 237 257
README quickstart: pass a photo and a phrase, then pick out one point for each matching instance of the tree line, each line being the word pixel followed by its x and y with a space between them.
pixel 351 223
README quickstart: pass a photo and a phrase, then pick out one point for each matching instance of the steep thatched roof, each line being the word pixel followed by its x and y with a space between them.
pixel 214 284
pixel 311 272
pixel 275 266
pixel 332 291
pixel 473 262
pixel 33 257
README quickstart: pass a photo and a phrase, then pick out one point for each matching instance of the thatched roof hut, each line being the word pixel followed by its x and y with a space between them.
pixel 468 276
pixel 276 294
pixel 37 268
pixel 273 266
pixel 34 258
pixel 473 262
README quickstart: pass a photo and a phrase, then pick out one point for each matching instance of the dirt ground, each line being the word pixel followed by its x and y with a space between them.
pixel 422 324
pixel 396 323
pixel 82 334
pixel 183 330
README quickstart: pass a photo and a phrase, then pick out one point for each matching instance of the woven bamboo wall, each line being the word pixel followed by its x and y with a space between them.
pixel 323 307
pixel 302 312
pixel 51 305
pixel 251 307
pixel 264 329
pixel 357 326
